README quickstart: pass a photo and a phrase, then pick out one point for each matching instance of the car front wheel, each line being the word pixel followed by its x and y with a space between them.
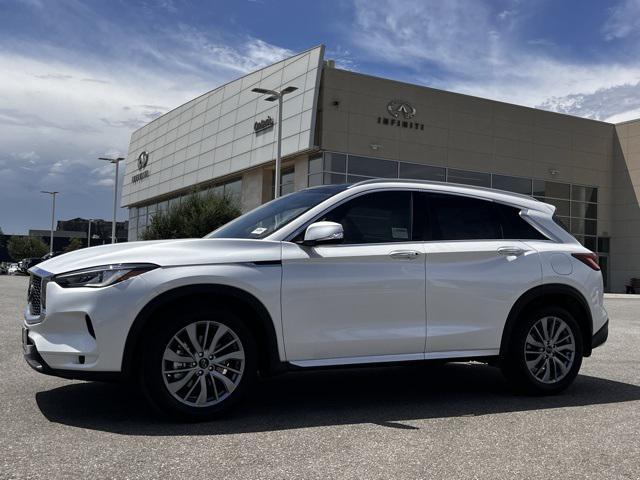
pixel 545 353
pixel 198 366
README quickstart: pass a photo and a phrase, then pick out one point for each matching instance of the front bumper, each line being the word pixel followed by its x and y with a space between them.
pixel 600 336
pixel 36 362
pixel 85 329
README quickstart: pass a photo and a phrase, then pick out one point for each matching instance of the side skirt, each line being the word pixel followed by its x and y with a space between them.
pixel 410 357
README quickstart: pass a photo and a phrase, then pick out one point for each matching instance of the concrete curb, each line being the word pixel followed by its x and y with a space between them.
pixel 626 296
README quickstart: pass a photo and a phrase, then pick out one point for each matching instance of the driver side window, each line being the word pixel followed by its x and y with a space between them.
pixel 380 217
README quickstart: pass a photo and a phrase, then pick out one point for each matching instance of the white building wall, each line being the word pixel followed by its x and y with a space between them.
pixel 213 135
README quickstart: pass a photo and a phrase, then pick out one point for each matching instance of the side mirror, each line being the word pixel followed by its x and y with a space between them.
pixel 323 232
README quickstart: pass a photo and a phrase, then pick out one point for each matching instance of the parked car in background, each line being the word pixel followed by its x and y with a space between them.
pixel 13 269
pixel 49 255
pixel 3 268
pixel 26 263
pixel 380 271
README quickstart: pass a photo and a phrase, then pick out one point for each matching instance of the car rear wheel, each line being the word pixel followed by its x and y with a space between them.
pixel 198 366
pixel 545 353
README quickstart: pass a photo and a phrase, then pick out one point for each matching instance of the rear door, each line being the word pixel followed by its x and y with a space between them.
pixel 478 264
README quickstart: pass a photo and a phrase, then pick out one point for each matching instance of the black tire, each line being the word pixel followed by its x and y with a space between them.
pixel 514 365
pixel 151 376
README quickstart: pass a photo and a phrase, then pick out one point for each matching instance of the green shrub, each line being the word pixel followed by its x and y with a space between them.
pixel 74 244
pixel 197 214
pixel 26 247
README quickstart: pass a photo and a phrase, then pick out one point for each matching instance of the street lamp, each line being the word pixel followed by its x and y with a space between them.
pixel 53 216
pixel 89 234
pixel 275 95
pixel 115 195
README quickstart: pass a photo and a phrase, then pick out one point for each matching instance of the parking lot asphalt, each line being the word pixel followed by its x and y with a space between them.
pixel 419 421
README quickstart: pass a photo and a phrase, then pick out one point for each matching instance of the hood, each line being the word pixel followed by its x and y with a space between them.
pixel 192 251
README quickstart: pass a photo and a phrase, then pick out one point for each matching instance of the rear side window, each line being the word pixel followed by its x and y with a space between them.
pixel 514 226
pixel 455 217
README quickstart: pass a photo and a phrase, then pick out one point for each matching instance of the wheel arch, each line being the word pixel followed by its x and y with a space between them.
pixel 238 299
pixel 561 295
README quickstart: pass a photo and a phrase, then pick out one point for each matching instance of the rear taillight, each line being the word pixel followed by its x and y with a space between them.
pixel 589 259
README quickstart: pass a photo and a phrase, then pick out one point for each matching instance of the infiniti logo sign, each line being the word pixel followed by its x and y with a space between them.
pixel 143 159
pixel 401 115
pixel 396 108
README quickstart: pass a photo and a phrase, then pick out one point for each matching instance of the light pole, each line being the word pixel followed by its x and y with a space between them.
pixel 115 195
pixel 89 234
pixel 275 95
pixel 53 216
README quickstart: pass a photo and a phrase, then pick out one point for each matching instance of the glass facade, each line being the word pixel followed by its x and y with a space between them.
pixel 576 205
pixel 140 217
pixel 287 181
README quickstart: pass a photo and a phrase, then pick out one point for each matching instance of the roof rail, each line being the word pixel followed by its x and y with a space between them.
pixel 435 182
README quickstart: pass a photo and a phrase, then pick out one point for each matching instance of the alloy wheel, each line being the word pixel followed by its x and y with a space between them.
pixel 549 349
pixel 203 363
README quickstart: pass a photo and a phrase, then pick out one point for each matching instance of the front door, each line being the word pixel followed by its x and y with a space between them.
pixel 363 300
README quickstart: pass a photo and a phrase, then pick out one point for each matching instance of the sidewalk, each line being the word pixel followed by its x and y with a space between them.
pixel 626 296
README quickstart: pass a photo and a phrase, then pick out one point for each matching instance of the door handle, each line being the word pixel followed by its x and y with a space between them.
pixel 510 251
pixel 404 254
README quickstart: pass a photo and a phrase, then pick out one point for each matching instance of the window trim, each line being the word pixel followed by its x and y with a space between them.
pixel 427 226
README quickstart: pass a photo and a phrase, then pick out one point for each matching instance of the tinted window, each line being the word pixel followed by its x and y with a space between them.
pixel 551 189
pixel 512 184
pixel 455 217
pixel 514 226
pixel 584 194
pixel 372 167
pixel 380 217
pixel 469 178
pixel 422 172
pixel 335 162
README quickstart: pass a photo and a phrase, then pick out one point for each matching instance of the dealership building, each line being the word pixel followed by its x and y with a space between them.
pixel 341 126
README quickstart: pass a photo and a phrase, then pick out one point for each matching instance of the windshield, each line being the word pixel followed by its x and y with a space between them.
pixel 272 216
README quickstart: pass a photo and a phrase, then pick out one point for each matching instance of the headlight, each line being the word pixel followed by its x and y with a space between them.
pixel 103 276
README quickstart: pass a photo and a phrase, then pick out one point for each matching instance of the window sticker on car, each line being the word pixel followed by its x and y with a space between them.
pixel 398 232
pixel 258 231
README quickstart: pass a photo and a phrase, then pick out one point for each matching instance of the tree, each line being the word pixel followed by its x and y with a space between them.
pixel 198 214
pixel 26 247
pixel 74 244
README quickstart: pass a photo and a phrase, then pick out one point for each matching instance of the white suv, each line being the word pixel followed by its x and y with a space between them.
pixel 380 271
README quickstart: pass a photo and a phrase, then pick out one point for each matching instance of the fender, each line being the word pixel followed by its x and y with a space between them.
pixel 271 357
pixel 537 294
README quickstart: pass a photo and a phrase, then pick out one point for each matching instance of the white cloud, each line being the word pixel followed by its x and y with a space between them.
pixel 342 56
pixel 473 48
pixel 614 104
pixel 623 21
pixel 196 52
pixel 454 33
pixel 31 156
pixel 60 108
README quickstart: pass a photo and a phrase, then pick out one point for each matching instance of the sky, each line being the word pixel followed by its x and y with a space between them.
pixel 78 77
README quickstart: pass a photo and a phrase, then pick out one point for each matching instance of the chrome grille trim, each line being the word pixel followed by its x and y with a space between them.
pixel 34 294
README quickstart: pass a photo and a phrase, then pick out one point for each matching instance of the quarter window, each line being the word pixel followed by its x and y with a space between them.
pixel 380 217
pixel 514 227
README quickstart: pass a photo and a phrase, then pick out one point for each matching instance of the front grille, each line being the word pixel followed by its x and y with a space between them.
pixel 33 295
